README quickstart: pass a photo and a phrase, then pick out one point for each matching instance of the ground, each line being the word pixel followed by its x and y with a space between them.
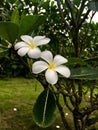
pixel 17 97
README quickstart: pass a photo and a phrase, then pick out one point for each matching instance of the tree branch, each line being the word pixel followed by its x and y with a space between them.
pixel 70 6
pixel 62 114
pixel 89 110
pixel 92 58
pixel 82 21
pixel 61 14
pixel 79 13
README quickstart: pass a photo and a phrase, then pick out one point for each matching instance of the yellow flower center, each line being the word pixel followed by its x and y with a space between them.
pixel 52 66
pixel 32 45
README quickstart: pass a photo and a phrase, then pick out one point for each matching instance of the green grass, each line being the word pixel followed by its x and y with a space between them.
pixel 20 93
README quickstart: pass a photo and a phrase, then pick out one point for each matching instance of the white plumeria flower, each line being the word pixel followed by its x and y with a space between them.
pixel 29 45
pixel 52 66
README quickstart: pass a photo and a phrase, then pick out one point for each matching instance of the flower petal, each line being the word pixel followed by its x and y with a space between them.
pixel 39 66
pixel 34 53
pixel 27 39
pixel 58 59
pixel 37 38
pixel 19 45
pixel 63 70
pixel 47 56
pixel 51 76
pixel 22 51
pixel 43 41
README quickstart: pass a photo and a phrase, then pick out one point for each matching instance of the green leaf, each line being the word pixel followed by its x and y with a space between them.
pixel 11 1
pixel 37 1
pixel 15 17
pixel 84 73
pixel 8 31
pixel 30 23
pixel 44 109
pixel 93 5
pixel 2 50
pixel 75 61
pixel 77 2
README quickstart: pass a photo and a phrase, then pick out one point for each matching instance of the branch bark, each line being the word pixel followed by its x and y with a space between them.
pixel 70 7
pixel 61 14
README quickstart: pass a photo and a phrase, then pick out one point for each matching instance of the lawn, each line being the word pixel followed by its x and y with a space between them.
pixel 17 96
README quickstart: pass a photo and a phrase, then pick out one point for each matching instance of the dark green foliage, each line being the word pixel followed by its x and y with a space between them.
pixel 30 23
pixel 15 18
pixel 77 2
pixel 86 73
pixel 8 31
pixel 93 5
pixel 44 109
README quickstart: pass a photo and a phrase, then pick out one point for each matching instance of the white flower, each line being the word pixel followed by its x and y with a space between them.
pixel 52 66
pixel 29 45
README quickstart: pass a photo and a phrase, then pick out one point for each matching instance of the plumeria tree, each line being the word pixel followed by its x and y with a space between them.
pixel 61 48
